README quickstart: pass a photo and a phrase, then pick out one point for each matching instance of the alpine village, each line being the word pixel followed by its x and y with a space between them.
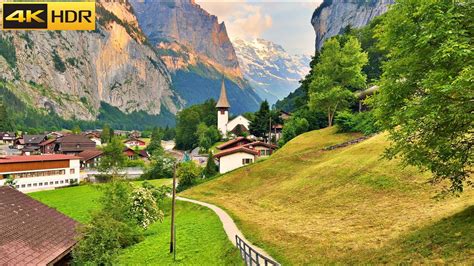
pixel 182 132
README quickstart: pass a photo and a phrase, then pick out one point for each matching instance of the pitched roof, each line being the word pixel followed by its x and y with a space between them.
pixel 32 233
pixel 34 139
pixel 89 154
pixel 134 139
pixel 231 142
pixel 235 150
pixel 46 142
pixel 223 102
pixel 36 158
pixel 261 144
pixel 75 139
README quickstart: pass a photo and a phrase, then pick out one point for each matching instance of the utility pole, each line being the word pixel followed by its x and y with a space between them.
pixel 173 203
pixel 270 130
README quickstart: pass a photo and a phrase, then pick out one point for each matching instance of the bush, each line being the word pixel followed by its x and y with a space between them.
pixel 58 62
pixel 293 127
pixel 211 168
pixel 363 122
pixel 161 167
pixel 187 173
pixel 135 163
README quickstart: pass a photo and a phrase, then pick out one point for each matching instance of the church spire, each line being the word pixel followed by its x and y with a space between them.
pixel 223 102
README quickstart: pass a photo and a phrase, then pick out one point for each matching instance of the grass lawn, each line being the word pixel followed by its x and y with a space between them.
pixel 308 206
pixel 200 236
pixel 214 149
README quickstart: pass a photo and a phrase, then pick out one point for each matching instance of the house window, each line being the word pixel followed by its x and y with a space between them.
pixel 56 182
pixel 72 171
pixel 246 161
pixel 51 183
pixel 23 185
pixel 62 182
pixel 40 184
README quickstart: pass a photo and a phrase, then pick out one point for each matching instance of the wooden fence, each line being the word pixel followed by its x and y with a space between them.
pixel 251 256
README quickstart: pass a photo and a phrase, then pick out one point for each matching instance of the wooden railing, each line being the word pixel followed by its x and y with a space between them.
pixel 251 256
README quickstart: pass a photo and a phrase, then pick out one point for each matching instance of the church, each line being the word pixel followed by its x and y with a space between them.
pixel 235 126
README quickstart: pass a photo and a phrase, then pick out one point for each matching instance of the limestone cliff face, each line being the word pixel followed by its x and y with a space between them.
pixel 332 16
pixel 198 33
pixel 71 72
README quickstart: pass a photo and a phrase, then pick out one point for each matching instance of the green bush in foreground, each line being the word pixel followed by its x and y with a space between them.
pixel 364 122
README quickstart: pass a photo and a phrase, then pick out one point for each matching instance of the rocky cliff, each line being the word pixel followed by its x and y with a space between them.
pixel 72 72
pixel 332 16
pixel 271 70
pixel 196 50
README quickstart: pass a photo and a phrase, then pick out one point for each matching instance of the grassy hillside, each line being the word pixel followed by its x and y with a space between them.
pixel 348 205
pixel 200 236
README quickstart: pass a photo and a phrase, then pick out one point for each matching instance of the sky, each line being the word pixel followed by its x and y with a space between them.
pixel 284 22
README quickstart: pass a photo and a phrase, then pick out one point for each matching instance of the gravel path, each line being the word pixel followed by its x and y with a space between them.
pixel 230 227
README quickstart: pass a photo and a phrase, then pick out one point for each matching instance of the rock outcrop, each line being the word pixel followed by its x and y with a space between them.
pixel 72 72
pixel 332 16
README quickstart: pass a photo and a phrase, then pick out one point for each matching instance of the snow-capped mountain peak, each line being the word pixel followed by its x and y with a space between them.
pixel 269 68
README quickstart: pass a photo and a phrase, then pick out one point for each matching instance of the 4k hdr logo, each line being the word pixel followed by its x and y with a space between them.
pixel 49 16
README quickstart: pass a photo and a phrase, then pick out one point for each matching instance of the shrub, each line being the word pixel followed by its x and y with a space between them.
pixel 161 167
pixel 293 127
pixel 58 62
pixel 8 51
pixel 187 173
pixel 364 122
pixel 211 168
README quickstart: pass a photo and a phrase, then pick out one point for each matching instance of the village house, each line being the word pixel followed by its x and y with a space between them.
pixel 239 141
pixel 95 137
pixel 134 154
pixel 263 149
pixel 37 172
pixel 74 144
pixel 32 233
pixel 31 143
pixel 235 157
pixel 47 146
pixel 8 137
pixel 90 158
pixel 134 142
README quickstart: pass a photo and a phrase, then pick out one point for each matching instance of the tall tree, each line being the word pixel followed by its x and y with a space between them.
pixel 105 135
pixel 113 159
pixel 260 125
pixel 426 96
pixel 76 130
pixel 338 73
pixel 155 148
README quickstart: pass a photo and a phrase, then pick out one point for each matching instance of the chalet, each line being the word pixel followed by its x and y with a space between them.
pixel 134 142
pixel 74 144
pixel 90 158
pixel 235 157
pixel 135 134
pixel 47 146
pixel 8 137
pixel 31 143
pixel 133 154
pixel 37 172
pixel 263 149
pixel 32 233
pixel 277 131
pixel 285 115
pixel 239 141
pixel 95 137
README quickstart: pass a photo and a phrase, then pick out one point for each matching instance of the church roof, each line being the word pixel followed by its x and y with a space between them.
pixel 223 102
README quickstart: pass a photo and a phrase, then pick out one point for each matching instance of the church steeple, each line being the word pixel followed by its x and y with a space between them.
pixel 223 102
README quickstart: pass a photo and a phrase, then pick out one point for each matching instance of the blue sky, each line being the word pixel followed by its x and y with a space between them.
pixel 285 22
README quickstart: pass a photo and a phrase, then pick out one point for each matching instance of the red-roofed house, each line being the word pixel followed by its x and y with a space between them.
pixel 239 141
pixel 235 157
pixel 263 149
pixel 47 146
pixel 134 142
pixel 32 233
pixel 37 172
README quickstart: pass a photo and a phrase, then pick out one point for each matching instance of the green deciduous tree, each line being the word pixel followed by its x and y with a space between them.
pixel 105 136
pixel 113 159
pixel 207 136
pixel 337 74
pixel 187 174
pixel 76 130
pixel 155 148
pixel 211 168
pixel 426 96
pixel 293 127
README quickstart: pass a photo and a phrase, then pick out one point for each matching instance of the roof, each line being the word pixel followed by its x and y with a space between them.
pixel 134 139
pixel 141 153
pixel 34 139
pixel 277 126
pixel 46 142
pixel 32 233
pixel 75 139
pixel 235 150
pixel 37 158
pixel 223 102
pixel 261 144
pixel 89 154
pixel 230 142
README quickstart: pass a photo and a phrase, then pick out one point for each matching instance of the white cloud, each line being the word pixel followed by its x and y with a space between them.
pixel 243 20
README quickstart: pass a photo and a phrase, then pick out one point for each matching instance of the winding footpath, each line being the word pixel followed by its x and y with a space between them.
pixel 230 227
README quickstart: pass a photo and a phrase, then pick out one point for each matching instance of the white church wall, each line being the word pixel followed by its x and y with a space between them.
pixel 222 119
pixel 236 121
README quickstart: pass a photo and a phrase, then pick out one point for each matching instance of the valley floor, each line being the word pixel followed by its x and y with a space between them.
pixel 305 206
pixel 201 240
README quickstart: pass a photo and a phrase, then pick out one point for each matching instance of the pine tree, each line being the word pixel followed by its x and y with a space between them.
pixel 5 120
pixel 211 167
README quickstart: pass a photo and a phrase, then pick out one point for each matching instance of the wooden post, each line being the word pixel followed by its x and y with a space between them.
pixel 173 203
